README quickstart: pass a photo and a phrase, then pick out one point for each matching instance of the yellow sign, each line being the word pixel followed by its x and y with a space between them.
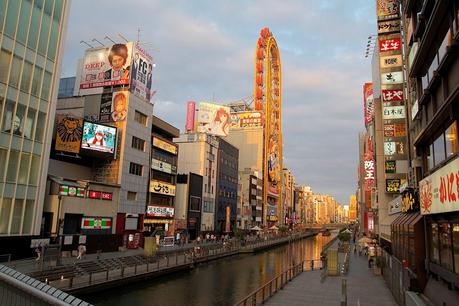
pixel 164 145
pixel 162 188
pixel 68 134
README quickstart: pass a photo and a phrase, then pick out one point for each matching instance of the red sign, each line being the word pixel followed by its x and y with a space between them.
pixel 107 196
pixel 394 130
pixel 368 102
pixel 392 95
pixel 94 194
pixel 386 45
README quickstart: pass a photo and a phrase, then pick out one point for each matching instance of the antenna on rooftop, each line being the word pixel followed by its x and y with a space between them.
pixel 96 40
pixel 106 37
pixel 124 38
pixel 87 44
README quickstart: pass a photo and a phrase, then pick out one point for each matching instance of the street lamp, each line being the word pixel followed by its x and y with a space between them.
pixel 371 44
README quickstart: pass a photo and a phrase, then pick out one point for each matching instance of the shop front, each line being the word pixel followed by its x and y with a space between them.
pixel 159 218
pixel 439 197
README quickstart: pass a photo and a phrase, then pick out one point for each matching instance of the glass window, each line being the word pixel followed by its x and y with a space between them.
pixel 15 73
pixel 23 21
pixel 456 247
pixel 44 33
pixel 17 216
pixel 451 139
pixel 26 76
pixel 29 124
pixel 434 250
pixel 439 149
pixel 34 170
pixel 3 153
pixel 28 214
pixel 53 40
pixel 138 143
pixel 35 24
pixel 5 215
pixel 131 196
pixel 2 10
pixel 40 128
pixel 446 250
pixel 135 169
pixel 11 17
pixel 36 81
pixel 24 168
pixel 13 164
pixel 46 86
pixel 5 58
pixel 18 121
pixel 7 116
pixel 140 118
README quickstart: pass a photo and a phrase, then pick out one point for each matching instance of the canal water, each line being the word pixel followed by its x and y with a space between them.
pixel 220 282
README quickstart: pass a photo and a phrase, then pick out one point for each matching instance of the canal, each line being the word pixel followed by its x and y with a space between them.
pixel 220 282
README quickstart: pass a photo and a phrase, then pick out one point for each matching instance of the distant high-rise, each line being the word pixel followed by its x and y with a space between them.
pixel 31 39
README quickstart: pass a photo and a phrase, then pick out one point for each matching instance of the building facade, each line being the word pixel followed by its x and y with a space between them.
pixel 227 187
pixel 163 176
pixel 31 40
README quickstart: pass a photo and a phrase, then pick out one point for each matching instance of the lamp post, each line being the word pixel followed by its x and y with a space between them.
pixel 58 229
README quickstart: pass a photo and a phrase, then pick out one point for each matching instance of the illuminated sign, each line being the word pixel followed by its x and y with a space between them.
pixel 391 61
pixel 439 192
pixel 389 26
pixel 394 147
pixel 92 194
pixel 390 166
pixel 410 201
pixel 162 188
pixel 107 196
pixel 98 138
pixel 393 185
pixel 246 120
pixel 394 130
pixel 393 112
pixel 71 191
pixel 392 95
pixel 160 211
pixel 95 223
pixel 391 78
pixel 368 103
pixel 386 45
pixel 164 145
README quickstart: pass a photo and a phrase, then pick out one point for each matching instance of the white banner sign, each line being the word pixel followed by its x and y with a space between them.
pixel 390 78
pixel 391 61
pixel 162 166
pixel 393 112
pixel 160 211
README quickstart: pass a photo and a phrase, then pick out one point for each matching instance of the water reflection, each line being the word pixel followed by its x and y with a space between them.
pixel 221 282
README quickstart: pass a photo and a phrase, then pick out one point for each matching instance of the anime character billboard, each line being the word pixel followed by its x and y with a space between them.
pixel 98 137
pixel 213 119
pixel 106 66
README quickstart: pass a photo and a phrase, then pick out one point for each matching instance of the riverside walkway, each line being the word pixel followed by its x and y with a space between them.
pixel 363 288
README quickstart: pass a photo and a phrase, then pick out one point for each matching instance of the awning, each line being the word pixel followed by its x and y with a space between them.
pixel 65 182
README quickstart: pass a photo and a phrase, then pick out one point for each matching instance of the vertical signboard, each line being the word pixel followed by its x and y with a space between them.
pixel 141 73
pixel 368 103
pixel 190 112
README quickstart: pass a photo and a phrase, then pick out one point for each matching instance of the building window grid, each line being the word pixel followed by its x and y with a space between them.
pixel 29 161
pixel 140 118
pixel 138 143
pixel 135 169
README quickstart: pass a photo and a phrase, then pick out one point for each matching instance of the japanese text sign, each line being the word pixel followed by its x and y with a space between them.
pixel 392 95
pixel 389 26
pixel 386 45
pixel 162 188
pixel 439 192
pixel 390 78
pixel 393 112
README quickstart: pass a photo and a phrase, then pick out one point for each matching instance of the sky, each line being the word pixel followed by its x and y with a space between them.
pixel 204 51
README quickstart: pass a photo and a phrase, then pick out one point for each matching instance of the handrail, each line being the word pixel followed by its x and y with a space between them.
pixel 259 296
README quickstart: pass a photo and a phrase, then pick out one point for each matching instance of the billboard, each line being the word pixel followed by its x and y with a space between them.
pixel 105 107
pixel 395 130
pixel 162 188
pixel 68 134
pixel 393 112
pixel 246 120
pixel 190 112
pixel 141 73
pixel 393 185
pixel 119 107
pixel 160 211
pixel 163 166
pixel 106 66
pixel 392 95
pixel 368 103
pixel 394 147
pixel 390 166
pixel 213 119
pixel 389 26
pixel 390 61
pixel 98 138
pixel 164 145
pixel 439 192
pixel 393 44
pixel 391 78
pixel 387 9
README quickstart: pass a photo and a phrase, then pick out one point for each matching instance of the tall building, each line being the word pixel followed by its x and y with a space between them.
pixel 198 154
pixel 227 185
pixel 352 209
pixel 163 176
pixel 31 40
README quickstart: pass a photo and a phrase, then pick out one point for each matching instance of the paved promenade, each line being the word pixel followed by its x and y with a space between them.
pixel 363 288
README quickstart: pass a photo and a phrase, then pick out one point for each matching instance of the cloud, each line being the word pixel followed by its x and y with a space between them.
pixel 204 50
